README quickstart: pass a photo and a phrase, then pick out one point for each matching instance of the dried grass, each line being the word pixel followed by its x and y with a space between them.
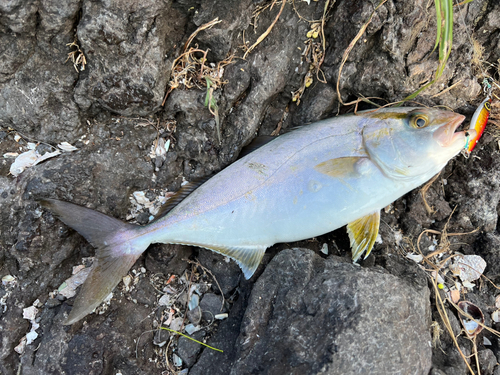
pixel 77 57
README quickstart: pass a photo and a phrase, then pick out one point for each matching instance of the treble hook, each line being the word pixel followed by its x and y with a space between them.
pixel 487 86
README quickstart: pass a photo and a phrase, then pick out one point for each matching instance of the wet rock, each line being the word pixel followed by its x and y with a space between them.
pixel 319 315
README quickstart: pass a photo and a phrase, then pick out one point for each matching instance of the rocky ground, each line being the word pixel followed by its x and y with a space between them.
pixel 308 309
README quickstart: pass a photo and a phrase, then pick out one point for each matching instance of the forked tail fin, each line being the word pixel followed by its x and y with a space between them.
pixel 118 247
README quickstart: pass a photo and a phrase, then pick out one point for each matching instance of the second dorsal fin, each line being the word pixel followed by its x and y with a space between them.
pixel 181 194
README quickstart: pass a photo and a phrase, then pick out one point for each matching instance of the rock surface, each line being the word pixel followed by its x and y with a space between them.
pixel 326 315
pixel 307 315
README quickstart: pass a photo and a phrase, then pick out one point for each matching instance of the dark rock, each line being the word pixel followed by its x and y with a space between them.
pixel 211 362
pixel 188 350
pixel 52 302
pixel 144 292
pixel 211 305
pixel 319 315
pixel 226 272
pixel 316 104
pixel 168 259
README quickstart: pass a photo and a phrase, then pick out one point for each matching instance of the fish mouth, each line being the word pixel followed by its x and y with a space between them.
pixel 447 136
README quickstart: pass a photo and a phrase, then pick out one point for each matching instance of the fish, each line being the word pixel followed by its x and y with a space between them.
pixel 478 123
pixel 302 184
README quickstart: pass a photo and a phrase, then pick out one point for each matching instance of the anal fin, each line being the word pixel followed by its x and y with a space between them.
pixel 247 257
pixel 363 233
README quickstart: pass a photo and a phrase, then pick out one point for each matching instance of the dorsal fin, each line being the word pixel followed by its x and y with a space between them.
pixel 256 143
pixel 181 194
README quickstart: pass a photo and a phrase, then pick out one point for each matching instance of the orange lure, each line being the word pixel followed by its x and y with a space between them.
pixel 478 122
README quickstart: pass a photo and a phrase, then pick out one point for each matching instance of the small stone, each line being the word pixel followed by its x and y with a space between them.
pixel 165 300
pixel 195 315
pixel 161 337
pixel 211 305
pixel 52 302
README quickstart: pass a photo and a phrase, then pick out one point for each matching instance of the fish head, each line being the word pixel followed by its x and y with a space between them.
pixel 407 143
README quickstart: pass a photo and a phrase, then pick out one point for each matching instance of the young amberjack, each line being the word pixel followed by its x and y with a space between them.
pixel 302 184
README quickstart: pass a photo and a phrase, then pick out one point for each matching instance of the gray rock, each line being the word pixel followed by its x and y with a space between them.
pixel 314 316
pixel 487 360
pixel 126 47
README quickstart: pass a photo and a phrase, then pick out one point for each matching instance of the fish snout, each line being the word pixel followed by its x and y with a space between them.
pixel 446 136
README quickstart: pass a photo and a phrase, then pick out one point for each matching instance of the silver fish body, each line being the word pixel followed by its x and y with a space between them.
pixel 302 184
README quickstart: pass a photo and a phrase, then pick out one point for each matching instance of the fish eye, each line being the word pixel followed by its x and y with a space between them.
pixel 487 105
pixel 419 121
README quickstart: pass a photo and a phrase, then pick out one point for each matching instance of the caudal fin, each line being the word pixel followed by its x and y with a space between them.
pixel 118 247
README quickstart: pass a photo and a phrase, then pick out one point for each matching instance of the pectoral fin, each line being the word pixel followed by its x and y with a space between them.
pixel 345 167
pixel 362 233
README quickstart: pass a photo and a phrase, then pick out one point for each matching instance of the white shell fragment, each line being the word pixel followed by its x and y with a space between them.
pixel 417 258
pixel 324 249
pixel 8 279
pixel 66 147
pixel 177 360
pixel 191 328
pixel 194 301
pixel 68 288
pixel 165 300
pixel 31 336
pixel 29 313
pixel 469 267
pixel 10 155
pixel 176 324
pixel 127 280
pixel 495 316
pixel 28 159
pixel 21 347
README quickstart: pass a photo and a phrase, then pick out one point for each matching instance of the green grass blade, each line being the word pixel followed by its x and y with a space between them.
pixel 190 338
pixel 439 20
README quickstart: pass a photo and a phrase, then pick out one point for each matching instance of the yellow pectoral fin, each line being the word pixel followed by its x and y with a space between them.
pixel 339 167
pixel 345 167
pixel 363 233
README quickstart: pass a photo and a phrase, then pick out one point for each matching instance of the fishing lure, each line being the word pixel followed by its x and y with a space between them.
pixel 479 119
